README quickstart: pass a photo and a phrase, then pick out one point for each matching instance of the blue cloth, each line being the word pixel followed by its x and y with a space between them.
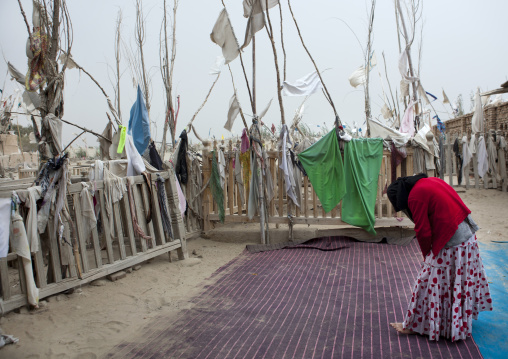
pixel 490 330
pixel 440 125
pixel 139 124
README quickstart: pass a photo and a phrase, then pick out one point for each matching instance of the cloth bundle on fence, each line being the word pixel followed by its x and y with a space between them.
pixel 286 165
pixel 362 162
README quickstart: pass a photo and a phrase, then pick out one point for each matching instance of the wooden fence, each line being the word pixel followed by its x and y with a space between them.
pixel 101 253
pixel 310 212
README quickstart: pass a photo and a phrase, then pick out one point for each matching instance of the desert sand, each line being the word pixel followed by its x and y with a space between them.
pixel 91 321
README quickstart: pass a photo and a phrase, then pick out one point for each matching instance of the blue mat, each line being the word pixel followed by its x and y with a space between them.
pixel 490 331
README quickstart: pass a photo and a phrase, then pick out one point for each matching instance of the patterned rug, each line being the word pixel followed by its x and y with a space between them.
pixel 332 297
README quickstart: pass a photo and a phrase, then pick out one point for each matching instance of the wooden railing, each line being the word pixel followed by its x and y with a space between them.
pixel 310 212
pixel 102 252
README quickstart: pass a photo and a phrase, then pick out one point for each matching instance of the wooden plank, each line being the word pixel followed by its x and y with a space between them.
pixel 118 229
pixel 231 186
pixel 96 247
pixel 128 223
pixel 40 272
pixel 306 196
pixel 140 214
pixel 502 168
pixel 449 162
pixel 389 207
pixel 81 233
pixel 4 276
pixel 160 236
pixel 54 288
pixel 146 202
pixel 466 173
pixel 314 202
pixel 177 222
pixel 271 209
pixel 22 275
pixel 383 182
pixel 106 226
pixel 54 256
pixel 280 191
pixel 380 222
pixel 475 170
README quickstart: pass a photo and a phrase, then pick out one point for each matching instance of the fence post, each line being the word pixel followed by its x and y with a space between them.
pixel 207 171
pixel 449 160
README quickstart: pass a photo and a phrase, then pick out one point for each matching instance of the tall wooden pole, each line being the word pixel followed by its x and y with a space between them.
pixel 410 62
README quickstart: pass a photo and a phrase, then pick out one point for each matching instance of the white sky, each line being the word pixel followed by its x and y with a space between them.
pixel 464 47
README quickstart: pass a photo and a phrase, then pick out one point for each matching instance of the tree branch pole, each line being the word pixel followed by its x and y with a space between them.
pixel 279 86
pixel 282 41
pixel 254 108
pixel 407 49
pixel 206 99
pixel 26 22
pixel 87 130
pixel 367 66
pixel 397 110
pixel 70 143
pixel 241 111
pixel 167 71
pixel 314 63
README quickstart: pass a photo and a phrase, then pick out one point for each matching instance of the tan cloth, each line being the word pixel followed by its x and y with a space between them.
pixel 223 35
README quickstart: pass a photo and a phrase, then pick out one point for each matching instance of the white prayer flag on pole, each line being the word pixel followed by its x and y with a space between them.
pixel 247 6
pixel 304 86
pixel 359 76
pixel 223 35
pixel 234 110
pixel 255 23
pixel 445 98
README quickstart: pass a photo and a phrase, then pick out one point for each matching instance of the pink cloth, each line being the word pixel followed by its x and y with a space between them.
pixel 450 291
pixel 245 141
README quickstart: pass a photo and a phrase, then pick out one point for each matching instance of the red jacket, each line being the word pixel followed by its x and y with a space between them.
pixel 437 212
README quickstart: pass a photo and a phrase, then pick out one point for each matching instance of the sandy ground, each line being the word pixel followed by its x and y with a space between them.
pixel 92 320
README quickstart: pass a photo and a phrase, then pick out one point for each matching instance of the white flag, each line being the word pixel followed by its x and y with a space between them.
pixel 403 68
pixel 217 67
pixel 359 76
pixel 304 86
pixel 478 117
pixel 223 35
pixel 386 112
pixel 263 113
pixel 247 6
pixel 255 23
pixel 445 98
pixel 234 110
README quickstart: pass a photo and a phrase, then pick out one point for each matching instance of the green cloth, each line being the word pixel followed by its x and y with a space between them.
pixel 362 162
pixel 323 163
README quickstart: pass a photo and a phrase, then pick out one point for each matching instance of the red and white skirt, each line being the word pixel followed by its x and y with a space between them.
pixel 450 291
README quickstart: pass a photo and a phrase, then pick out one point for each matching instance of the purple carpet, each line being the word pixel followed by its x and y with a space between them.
pixel 301 303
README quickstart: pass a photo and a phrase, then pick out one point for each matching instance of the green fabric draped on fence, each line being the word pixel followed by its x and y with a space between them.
pixel 323 163
pixel 362 162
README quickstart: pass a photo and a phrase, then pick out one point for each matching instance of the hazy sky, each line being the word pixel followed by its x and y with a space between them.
pixel 464 47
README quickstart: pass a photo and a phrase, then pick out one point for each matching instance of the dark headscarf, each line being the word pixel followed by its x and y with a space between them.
pixel 398 192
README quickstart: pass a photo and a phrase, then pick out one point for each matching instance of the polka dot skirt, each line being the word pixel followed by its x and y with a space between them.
pixel 450 291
